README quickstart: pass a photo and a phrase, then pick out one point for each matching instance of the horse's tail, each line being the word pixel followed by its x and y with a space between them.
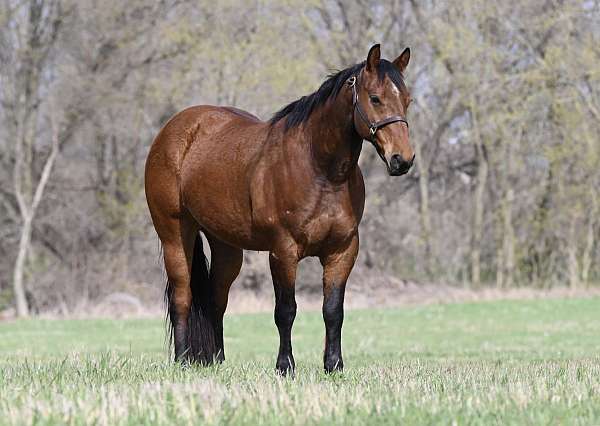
pixel 201 318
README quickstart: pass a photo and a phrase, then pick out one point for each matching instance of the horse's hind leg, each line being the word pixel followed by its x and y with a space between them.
pixel 225 265
pixel 178 237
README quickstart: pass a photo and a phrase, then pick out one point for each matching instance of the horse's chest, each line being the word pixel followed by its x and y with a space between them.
pixel 331 224
pixel 313 214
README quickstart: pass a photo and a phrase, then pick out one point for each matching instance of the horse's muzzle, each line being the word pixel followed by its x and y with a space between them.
pixel 399 166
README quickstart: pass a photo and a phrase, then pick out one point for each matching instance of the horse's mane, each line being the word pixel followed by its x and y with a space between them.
pixel 300 110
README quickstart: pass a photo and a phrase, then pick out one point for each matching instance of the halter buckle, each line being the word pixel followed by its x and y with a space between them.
pixel 352 81
pixel 372 130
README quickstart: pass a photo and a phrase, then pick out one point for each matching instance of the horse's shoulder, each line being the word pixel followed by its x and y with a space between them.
pixel 357 193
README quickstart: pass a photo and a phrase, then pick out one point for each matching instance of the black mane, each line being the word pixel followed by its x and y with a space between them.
pixel 300 110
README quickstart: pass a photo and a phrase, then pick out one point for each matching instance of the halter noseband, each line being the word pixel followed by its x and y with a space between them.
pixel 373 125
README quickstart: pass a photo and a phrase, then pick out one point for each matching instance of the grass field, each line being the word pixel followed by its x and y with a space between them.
pixel 525 362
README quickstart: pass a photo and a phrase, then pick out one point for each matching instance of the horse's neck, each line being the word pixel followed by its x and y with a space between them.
pixel 335 144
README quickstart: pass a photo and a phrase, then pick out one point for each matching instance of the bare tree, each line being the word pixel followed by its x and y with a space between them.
pixel 34 33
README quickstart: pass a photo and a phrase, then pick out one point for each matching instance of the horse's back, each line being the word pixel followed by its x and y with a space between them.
pixel 243 113
pixel 195 125
pixel 181 129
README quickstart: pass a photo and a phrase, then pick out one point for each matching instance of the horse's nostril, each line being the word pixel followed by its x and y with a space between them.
pixel 397 160
pixel 399 165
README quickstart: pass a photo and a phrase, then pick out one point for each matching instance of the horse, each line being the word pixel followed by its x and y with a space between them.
pixel 291 186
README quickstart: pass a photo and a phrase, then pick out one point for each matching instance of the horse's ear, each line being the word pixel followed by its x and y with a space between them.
pixel 373 57
pixel 402 61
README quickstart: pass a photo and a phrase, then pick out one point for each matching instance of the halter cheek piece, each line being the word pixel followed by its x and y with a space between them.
pixel 376 125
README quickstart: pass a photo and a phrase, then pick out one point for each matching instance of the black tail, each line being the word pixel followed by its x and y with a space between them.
pixel 201 345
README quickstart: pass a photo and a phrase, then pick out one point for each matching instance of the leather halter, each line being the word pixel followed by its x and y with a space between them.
pixel 373 125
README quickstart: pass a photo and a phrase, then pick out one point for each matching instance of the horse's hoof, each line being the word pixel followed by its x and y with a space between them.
pixel 286 367
pixel 286 372
pixel 220 357
pixel 334 364
pixel 183 363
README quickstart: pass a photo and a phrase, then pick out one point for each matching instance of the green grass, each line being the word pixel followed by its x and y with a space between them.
pixel 526 362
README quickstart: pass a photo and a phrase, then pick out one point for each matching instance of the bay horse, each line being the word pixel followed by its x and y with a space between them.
pixel 290 186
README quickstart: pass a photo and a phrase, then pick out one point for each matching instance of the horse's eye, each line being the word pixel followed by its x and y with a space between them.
pixel 375 99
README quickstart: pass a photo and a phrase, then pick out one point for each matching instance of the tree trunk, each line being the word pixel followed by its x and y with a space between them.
pixel 506 255
pixel 508 245
pixel 573 266
pixel 500 259
pixel 478 209
pixel 586 258
pixel 28 211
pixel 19 270
pixel 478 201
pixel 425 217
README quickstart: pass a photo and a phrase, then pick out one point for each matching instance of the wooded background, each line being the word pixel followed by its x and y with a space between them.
pixel 505 126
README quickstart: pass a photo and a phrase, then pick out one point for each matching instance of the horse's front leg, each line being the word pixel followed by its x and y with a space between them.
pixel 337 265
pixel 283 271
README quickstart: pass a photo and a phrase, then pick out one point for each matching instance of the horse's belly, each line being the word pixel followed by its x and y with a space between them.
pixel 221 209
pixel 216 195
